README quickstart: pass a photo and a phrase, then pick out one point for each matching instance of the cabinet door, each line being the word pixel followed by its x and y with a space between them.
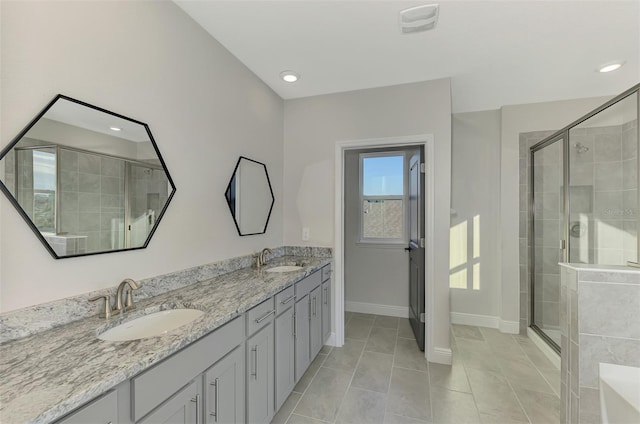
pixel 326 310
pixel 315 325
pixel 224 390
pixel 103 410
pixel 303 358
pixel 184 407
pixel 260 385
pixel 285 351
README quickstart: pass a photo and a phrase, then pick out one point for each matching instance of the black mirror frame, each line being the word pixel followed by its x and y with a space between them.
pixel 30 223
pixel 230 197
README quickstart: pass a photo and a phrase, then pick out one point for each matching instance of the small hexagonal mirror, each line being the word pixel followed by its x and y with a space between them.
pixel 86 180
pixel 250 197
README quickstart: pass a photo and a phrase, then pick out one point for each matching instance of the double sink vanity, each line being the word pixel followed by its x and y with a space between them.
pixel 226 350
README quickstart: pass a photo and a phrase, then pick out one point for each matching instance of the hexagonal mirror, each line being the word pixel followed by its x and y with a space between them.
pixel 250 197
pixel 86 180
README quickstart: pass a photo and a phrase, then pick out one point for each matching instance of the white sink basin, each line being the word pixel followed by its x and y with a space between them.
pixel 285 268
pixel 619 393
pixel 152 325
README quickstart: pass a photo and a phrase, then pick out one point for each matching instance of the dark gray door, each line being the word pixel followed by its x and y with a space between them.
pixel 260 385
pixel 302 316
pixel 416 246
pixel 285 353
pixel 224 390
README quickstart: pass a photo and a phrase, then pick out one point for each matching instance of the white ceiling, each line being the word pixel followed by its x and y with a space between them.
pixel 496 52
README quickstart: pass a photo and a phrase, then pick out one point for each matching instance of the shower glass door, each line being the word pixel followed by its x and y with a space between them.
pixel 548 229
pixel 603 186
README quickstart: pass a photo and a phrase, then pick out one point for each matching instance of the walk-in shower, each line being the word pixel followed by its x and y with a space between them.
pixel 583 203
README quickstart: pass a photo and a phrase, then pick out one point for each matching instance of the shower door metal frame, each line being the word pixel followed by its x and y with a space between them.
pixel 566 243
pixel 563 137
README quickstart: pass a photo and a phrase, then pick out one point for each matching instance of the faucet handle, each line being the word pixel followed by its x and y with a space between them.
pixel 128 304
pixel 107 305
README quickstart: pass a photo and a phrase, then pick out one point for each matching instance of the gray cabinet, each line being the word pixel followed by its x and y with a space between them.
pixel 303 357
pixel 326 310
pixel 284 355
pixel 102 410
pixel 315 323
pixel 224 390
pixel 259 369
pixel 185 407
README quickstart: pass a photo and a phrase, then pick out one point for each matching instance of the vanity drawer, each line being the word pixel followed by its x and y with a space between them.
pixel 304 287
pixel 152 387
pixel 285 299
pixel 259 316
pixel 326 272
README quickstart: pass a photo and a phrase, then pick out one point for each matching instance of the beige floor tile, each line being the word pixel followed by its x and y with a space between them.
pixel 366 317
pixel 324 395
pixel 286 409
pixel 524 375
pixel 541 408
pixel 492 419
pixel 306 378
pixel 404 329
pixel 467 332
pixel 373 372
pixel 479 359
pixel 452 377
pixel 400 419
pixel 326 349
pixel 409 394
pixel 358 329
pixel 386 322
pixel 382 340
pixel 450 407
pixel 362 407
pixel 553 378
pixel 535 355
pixel 345 358
pixel 408 355
pixel 300 419
pixel 494 396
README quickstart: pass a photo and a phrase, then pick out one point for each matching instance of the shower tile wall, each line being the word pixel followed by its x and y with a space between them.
pixel 92 195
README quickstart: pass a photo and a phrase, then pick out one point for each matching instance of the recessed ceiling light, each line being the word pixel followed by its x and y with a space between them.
pixel 611 66
pixel 115 129
pixel 289 76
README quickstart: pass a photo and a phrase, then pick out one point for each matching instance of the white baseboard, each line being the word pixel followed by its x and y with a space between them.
pixel 488 321
pixel 544 347
pixel 474 319
pixel 510 327
pixel 376 309
pixel 331 340
pixel 440 356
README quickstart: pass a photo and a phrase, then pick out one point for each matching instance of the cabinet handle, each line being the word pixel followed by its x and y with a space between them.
pixel 197 401
pixel 255 362
pixel 216 403
pixel 326 295
pixel 288 299
pixel 265 316
pixel 310 308
pixel 293 320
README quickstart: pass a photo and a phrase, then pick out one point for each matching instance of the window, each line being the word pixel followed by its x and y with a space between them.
pixel 383 188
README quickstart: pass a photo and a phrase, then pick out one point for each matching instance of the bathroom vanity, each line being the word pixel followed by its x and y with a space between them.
pixel 237 363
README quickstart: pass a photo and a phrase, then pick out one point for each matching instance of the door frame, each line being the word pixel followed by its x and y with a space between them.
pixel 426 140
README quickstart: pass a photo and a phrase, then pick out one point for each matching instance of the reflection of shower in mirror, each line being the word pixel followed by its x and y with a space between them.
pixel 581 148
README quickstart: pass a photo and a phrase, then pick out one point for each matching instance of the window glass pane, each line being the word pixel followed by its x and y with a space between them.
pixel 44 170
pixel 382 219
pixel 383 175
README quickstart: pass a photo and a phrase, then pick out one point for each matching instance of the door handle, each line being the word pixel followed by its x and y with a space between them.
pixel 407 249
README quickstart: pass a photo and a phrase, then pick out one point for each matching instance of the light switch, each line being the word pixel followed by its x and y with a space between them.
pixel 305 234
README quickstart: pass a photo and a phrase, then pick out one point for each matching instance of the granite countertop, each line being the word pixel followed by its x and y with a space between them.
pixel 47 375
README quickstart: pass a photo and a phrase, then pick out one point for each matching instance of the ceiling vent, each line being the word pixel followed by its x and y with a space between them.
pixel 419 18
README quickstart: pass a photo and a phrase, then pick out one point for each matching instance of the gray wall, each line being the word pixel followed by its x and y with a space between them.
pixel 475 191
pixel 377 275
pixel 153 63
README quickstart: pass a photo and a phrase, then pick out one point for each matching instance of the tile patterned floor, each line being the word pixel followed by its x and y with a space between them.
pixel 380 376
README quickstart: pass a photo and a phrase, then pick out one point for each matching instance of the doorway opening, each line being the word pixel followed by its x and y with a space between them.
pixel 373 228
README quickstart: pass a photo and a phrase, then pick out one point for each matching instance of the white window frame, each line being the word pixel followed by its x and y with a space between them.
pixel 384 241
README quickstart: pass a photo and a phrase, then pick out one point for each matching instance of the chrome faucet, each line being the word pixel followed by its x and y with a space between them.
pixel 128 304
pixel 262 257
